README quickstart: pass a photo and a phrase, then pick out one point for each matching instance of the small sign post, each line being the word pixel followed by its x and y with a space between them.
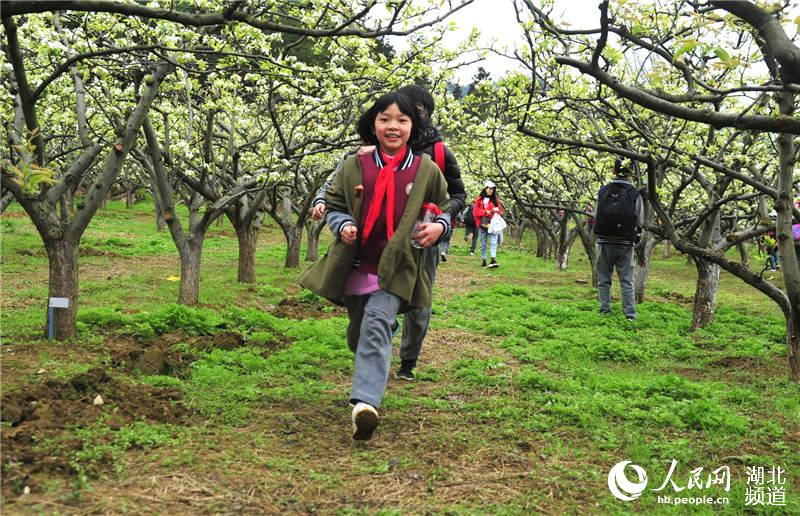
pixel 55 302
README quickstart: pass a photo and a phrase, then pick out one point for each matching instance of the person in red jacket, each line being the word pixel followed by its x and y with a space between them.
pixel 486 206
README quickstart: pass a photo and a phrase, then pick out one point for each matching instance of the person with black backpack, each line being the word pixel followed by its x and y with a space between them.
pixel 618 220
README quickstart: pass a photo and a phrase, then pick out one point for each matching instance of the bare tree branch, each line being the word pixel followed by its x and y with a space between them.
pixel 784 124
pixel 19 7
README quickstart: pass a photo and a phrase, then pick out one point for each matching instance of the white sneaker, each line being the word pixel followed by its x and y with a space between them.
pixel 365 421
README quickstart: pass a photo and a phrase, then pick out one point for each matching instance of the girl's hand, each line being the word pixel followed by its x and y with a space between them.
pixel 429 233
pixel 366 149
pixel 318 211
pixel 349 234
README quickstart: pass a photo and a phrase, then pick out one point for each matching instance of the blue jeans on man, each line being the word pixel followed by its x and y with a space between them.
pixel 773 259
pixel 620 257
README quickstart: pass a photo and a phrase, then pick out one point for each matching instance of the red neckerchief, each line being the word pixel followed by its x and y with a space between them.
pixel 384 187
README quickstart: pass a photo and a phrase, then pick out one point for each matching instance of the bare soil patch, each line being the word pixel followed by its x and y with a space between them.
pixel 13 215
pixel 35 413
pixel 771 366
pixel 677 298
pixel 40 414
pixel 298 308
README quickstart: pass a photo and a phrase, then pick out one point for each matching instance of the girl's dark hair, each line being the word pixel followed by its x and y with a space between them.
pixel 421 96
pixel 366 123
pixel 492 197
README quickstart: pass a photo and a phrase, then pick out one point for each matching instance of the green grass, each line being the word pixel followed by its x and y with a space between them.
pixel 102 444
pixel 525 398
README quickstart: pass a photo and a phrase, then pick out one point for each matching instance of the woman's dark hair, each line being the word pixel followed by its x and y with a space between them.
pixel 492 197
pixel 421 96
pixel 366 123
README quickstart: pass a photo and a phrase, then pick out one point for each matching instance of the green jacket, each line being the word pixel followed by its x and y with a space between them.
pixel 400 269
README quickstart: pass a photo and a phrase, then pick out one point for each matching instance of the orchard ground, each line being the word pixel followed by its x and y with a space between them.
pixel 525 399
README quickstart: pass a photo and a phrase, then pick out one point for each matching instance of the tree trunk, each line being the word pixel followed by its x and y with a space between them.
pixel 562 258
pixel 160 222
pixel 5 201
pixel 562 246
pixel 130 197
pixel 783 223
pixel 294 237
pixel 667 245
pixel 286 203
pixel 191 255
pixel 541 244
pixel 63 257
pixel 705 294
pixel 312 247
pixel 549 245
pixel 793 344
pixel 641 271
pixel 248 238
pixel 590 246
pixel 743 253
pixel 69 200
pixel 519 233
pixel 312 241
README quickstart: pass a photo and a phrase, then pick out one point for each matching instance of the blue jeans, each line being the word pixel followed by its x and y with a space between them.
pixel 774 261
pixel 619 256
pixel 484 233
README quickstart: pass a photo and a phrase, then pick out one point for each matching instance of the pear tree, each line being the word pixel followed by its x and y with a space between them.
pixel 709 54
pixel 102 75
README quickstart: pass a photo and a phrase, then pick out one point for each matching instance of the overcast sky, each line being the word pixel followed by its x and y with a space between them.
pixel 496 20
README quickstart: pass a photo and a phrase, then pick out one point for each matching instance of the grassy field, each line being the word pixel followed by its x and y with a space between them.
pixel 526 396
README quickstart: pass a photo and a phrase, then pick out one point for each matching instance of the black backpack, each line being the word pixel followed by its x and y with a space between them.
pixel 616 211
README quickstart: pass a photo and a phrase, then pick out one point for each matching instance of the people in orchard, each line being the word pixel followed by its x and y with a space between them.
pixel 618 220
pixel 372 267
pixel 486 205
pixel 429 141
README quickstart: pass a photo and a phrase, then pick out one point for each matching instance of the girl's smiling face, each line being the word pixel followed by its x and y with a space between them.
pixel 392 129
